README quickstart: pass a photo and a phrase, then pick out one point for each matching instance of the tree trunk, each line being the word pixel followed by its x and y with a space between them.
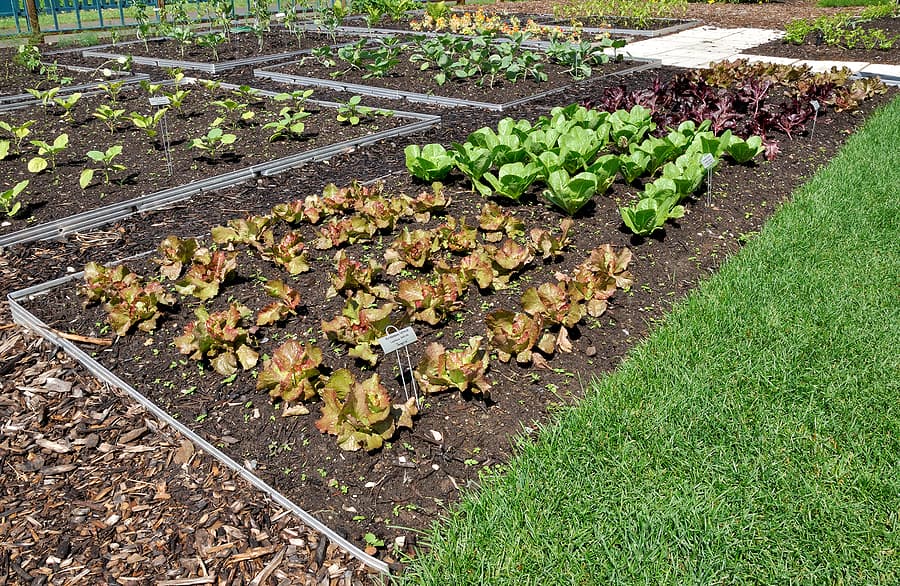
pixel 33 22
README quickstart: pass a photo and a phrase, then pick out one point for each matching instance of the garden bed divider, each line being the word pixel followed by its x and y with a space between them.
pixel 25 318
pixel 117 211
pixel 12 102
pixel 367 90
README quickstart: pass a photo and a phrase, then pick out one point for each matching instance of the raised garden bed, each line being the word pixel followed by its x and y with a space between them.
pixel 54 202
pixel 408 484
pixel 168 53
pixel 414 74
pixel 44 73
pixel 813 46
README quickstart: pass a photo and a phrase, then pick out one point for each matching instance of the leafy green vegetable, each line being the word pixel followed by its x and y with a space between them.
pixel 512 179
pixel 571 193
pixel 462 369
pixel 651 213
pixel 431 162
pixel 292 373
pixel 742 150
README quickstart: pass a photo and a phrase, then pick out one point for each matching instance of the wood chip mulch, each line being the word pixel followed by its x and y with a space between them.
pixel 96 491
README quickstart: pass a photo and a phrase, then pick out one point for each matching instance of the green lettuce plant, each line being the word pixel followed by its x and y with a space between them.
pixel 429 163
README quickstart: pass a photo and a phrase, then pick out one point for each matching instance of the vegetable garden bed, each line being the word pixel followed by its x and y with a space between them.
pixel 168 53
pixel 22 71
pixel 453 71
pixel 407 483
pixel 853 45
pixel 93 163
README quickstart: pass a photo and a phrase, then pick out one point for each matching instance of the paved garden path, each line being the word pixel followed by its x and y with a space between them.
pixel 698 47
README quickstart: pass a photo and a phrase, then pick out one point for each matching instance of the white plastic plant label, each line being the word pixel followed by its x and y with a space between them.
pixel 159 101
pixel 397 340
pixel 707 161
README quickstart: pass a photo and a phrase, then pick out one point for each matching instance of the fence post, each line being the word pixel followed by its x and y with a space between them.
pixel 32 13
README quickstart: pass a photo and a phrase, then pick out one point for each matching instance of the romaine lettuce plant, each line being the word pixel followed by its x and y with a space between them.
pixel 462 369
pixel 742 150
pixel 571 193
pixel 650 213
pixel 511 181
pixel 220 338
pixel 429 163
pixel 292 373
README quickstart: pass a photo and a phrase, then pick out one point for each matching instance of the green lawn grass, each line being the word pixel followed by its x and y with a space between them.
pixel 753 438
pixel 844 3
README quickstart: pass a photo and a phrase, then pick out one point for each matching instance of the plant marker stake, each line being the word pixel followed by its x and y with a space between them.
pixel 707 161
pixel 815 105
pixel 393 342
pixel 160 101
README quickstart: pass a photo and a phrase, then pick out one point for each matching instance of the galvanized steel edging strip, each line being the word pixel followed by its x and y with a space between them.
pixel 25 318
pixel 13 102
pixel 124 209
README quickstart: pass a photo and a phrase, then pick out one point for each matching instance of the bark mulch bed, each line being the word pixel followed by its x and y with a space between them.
pixel 814 49
pixel 55 194
pixel 420 475
pixel 96 491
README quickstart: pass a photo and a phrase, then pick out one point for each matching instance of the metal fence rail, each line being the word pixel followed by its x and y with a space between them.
pixel 69 16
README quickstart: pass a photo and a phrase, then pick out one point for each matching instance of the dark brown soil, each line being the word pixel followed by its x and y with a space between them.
pixel 813 48
pixel 418 475
pixel 52 195
pixel 408 77
pixel 14 78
